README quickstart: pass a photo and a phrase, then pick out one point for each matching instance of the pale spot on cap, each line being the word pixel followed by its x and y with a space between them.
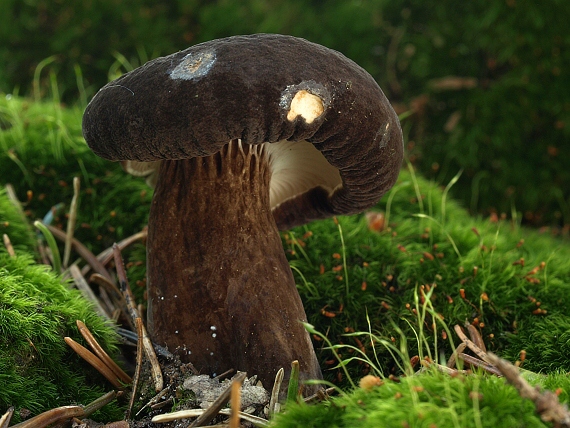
pixel 194 65
pixel 306 105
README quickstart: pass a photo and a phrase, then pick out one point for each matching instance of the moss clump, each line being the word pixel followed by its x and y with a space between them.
pixel 511 283
pixel 430 399
pixel 13 224
pixel 37 369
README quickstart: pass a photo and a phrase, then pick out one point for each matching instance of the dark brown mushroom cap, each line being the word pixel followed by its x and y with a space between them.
pixel 193 102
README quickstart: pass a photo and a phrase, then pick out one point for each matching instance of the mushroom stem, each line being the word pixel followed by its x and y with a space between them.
pixel 220 288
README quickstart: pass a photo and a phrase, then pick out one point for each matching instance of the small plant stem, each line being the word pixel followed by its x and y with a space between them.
pixel 138 367
pixel 479 363
pixel 235 403
pixel 11 193
pixel 56 259
pixel 71 221
pixel 311 329
pixel 92 359
pixel 192 413
pixel 117 299
pixel 37 74
pixel 99 403
pixel 143 337
pixel 100 352
pixel 480 353
pixel 8 245
pixel 152 402
pixel 345 269
pixel 445 192
pixel 274 400
pixel 293 388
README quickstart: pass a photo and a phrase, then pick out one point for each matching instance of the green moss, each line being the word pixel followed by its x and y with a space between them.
pixel 14 224
pixel 510 282
pixel 42 149
pixel 432 242
pixel 38 371
pixel 430 399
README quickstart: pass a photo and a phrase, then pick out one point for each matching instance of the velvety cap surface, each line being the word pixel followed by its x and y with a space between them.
pixel 259 88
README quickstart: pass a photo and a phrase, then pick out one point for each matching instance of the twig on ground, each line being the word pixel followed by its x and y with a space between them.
pixel 320 395
pixel 6 417
pixel 71 221
pixel 274 406
pixel 87 292
pixel 218 377
pixel 99 403
pixel 546 402
pixel 8 245
pixel 480 353
pixel 65 413
pixel 131 337
pixel 192 413
pixel 95 361
pixel 114 294
pixel 460 348
pixel 475 337
pixel 154 400
pixel 138 368
pixel 100 352
pixel 143 337
pixel 52 416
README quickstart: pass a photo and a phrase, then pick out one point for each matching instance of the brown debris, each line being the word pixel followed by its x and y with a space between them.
pixel 546 402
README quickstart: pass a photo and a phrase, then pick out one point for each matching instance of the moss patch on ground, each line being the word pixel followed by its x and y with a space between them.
pixel 428 400
pixel 380 291
pixel 509 282
pixel 38 308
pixel 38 371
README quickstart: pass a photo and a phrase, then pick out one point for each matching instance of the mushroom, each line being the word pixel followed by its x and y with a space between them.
pixel 243 136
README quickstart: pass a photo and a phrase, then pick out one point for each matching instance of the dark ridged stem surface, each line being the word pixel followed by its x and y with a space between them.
pixel 219 285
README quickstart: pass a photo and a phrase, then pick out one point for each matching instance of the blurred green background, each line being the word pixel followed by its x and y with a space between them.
pixel 485 84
